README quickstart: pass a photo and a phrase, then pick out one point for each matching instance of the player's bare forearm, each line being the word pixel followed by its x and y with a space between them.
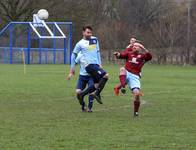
pixel 72 71
pixel 71 74
pixel 145 50
pixel 141 47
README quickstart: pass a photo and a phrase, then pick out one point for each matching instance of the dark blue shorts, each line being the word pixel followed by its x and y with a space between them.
pixel 95 71
pixel 83 81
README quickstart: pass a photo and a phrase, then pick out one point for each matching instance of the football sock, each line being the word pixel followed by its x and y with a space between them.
pixel 118 86
pixel 122 80
pixel 101 85
pixel 136 106
pixel 90 102
pixel 83 105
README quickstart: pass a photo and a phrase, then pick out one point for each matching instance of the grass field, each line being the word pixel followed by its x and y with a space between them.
pixel 39 111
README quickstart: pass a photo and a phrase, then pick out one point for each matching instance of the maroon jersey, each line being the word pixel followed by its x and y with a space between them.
pixel 134 61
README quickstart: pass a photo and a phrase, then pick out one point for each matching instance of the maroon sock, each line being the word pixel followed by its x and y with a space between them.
pixel 119 86
pixel 136 106
pixel 122 80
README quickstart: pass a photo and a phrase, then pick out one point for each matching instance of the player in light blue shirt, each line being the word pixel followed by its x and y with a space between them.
pixel 89 48
pixel 81 60
pixel 90 51
pixel 84 80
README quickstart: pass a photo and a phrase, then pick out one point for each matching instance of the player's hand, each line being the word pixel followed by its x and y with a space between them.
pixel 70 76
pixel 101 66
pixel 117 54
pixel 72 72
pixel 140 46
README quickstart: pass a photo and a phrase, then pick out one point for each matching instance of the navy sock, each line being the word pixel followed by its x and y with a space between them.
pixel 83 105
pixel 101 85
pixel 90 102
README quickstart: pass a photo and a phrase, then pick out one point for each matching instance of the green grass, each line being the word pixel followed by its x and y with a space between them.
pixel 39 111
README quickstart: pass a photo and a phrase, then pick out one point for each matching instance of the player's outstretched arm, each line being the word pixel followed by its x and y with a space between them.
pixel 122 55
pixel 144 49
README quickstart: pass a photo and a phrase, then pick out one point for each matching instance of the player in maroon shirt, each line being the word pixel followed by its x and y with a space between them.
pixel 136 55
pixel 122 75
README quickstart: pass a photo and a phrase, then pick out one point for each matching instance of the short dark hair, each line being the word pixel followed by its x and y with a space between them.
pixel 133 36
pixel 87 27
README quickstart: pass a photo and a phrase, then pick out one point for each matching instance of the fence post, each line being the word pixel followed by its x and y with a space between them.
pixel 65 50
pixel 28 45
pixel 54 45
pixel 70 43
pixel 11 44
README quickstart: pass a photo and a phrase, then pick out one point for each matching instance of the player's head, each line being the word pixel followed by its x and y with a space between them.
pixel 132 40
pixel 137 47
pixel 87 32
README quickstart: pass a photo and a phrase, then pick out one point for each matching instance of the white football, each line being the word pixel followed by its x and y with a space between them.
pixel 43 14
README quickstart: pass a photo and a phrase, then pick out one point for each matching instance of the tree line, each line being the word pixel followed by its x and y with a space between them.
pixel 162 26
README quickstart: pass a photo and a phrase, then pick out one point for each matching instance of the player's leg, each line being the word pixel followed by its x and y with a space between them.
pixel 80 87
pixel 90 103
pixel 122 78
pixel 136 102
pixel 101 84
pixel 90 97
pixel 90 90
pixel 85 92
pixel 134 85
pixel 98 74
pixel 101 76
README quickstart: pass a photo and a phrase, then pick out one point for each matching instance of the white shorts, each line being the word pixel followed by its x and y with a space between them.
pixel 133 81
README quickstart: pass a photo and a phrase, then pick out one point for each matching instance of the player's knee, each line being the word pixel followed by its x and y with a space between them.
pixel 78 91
pixel 136 91
pixel 96 85
pixel 106 76
pixel 122 71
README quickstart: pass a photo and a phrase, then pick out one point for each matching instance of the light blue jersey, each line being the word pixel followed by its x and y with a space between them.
pixel 81 61
pixel 89 49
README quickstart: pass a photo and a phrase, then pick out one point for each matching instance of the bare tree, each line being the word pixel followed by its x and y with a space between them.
pixel 16 10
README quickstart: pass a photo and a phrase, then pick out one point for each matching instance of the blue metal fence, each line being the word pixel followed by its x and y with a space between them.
pixel 18 36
